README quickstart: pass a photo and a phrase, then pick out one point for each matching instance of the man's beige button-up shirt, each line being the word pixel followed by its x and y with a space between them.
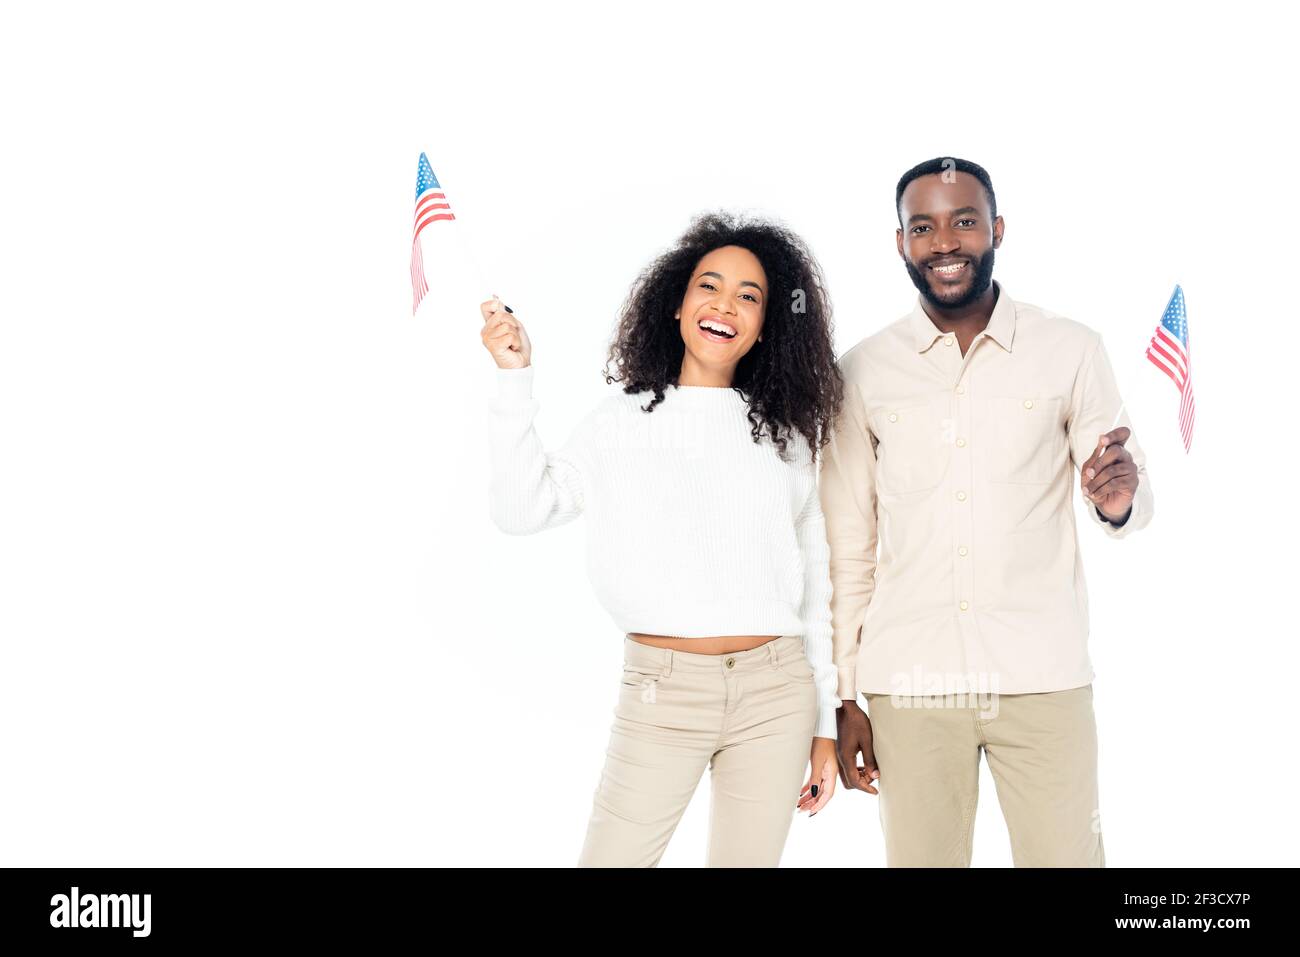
pixel 948 493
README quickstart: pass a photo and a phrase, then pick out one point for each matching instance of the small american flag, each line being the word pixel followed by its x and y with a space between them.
pixel 430 206
pixel 1169 352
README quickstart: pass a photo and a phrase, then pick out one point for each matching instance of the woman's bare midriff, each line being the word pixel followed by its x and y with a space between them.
pixel 720 645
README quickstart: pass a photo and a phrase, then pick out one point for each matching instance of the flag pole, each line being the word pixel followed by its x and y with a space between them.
pixel 1117 418
pixel 1129 365
pixel 468 247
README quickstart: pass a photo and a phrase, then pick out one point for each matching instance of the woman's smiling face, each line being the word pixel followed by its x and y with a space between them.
pixel 722 311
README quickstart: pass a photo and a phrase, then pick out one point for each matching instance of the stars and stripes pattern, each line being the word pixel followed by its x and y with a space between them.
pixel 1169 353
pixel 430 207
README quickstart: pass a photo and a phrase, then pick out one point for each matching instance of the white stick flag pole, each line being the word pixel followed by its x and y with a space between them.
pixel 1118 416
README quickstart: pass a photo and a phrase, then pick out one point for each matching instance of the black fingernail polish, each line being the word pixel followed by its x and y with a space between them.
pixel 508 309
pixel 814 790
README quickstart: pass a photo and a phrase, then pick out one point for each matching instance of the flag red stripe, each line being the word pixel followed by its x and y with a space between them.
pixel 418 284
pixel 428 206
pixel 428 197
pixel 1179 367
pixel 419 227
pixel 1165 369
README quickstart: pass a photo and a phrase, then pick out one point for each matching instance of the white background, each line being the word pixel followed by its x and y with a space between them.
pixel 253 607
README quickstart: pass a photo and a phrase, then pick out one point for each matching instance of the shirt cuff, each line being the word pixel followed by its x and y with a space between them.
pixel 1117 531
pixel 516 384
pixel 848 689
pixel 826 725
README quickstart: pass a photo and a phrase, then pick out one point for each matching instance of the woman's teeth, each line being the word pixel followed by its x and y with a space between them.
pixel 718 328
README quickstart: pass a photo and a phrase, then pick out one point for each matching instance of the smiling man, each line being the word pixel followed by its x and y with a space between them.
pixel 959 608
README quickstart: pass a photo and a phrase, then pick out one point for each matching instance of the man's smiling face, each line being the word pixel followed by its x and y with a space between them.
pixel 947 238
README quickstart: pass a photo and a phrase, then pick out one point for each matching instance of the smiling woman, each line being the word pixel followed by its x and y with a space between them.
pixel 706 540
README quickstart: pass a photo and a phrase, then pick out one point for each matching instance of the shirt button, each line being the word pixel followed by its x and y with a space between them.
pixel 731 662
pixel 893 417
pixel 1029 403
pixel 961 443
pixel 961 390
pixel 962 551
pixel 963 606
pixel 961 496
pixel 947 340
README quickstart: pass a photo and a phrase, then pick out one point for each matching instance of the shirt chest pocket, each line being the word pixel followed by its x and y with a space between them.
pixel 913 446
pixel 1024 438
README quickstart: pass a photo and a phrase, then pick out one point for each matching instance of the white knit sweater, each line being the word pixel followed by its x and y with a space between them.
pixel 693 529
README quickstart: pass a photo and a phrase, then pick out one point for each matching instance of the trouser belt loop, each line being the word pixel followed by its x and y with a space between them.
pixel 668 662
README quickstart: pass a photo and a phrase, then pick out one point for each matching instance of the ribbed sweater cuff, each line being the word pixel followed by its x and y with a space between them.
pixel 516 384
pixel 826 727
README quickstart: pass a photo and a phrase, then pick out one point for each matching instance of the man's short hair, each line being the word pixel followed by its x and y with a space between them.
pixel 943 164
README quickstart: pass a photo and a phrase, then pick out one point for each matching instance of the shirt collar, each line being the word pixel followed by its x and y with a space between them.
pixel 1001 328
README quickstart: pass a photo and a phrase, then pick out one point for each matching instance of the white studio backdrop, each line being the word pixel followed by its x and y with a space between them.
pixel 252 607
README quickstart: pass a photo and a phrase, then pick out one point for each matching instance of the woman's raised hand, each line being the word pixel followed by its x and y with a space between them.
pixel 504 336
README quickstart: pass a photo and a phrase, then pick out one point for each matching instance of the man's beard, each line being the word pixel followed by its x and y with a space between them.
pixel 983 277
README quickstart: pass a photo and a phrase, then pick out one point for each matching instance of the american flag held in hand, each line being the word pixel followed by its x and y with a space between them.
pixel 430 206
pixel 1169 352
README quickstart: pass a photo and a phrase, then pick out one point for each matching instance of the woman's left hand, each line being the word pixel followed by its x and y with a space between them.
pixel 825 767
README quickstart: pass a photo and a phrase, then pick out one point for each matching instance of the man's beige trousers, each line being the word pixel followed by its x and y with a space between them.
pixel 748 716
pixel 1042 752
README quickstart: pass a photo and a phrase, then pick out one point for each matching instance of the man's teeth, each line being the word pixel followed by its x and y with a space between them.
pixel 717 327
pixel 949 269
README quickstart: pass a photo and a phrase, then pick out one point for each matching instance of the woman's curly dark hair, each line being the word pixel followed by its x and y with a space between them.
pixel 790 379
